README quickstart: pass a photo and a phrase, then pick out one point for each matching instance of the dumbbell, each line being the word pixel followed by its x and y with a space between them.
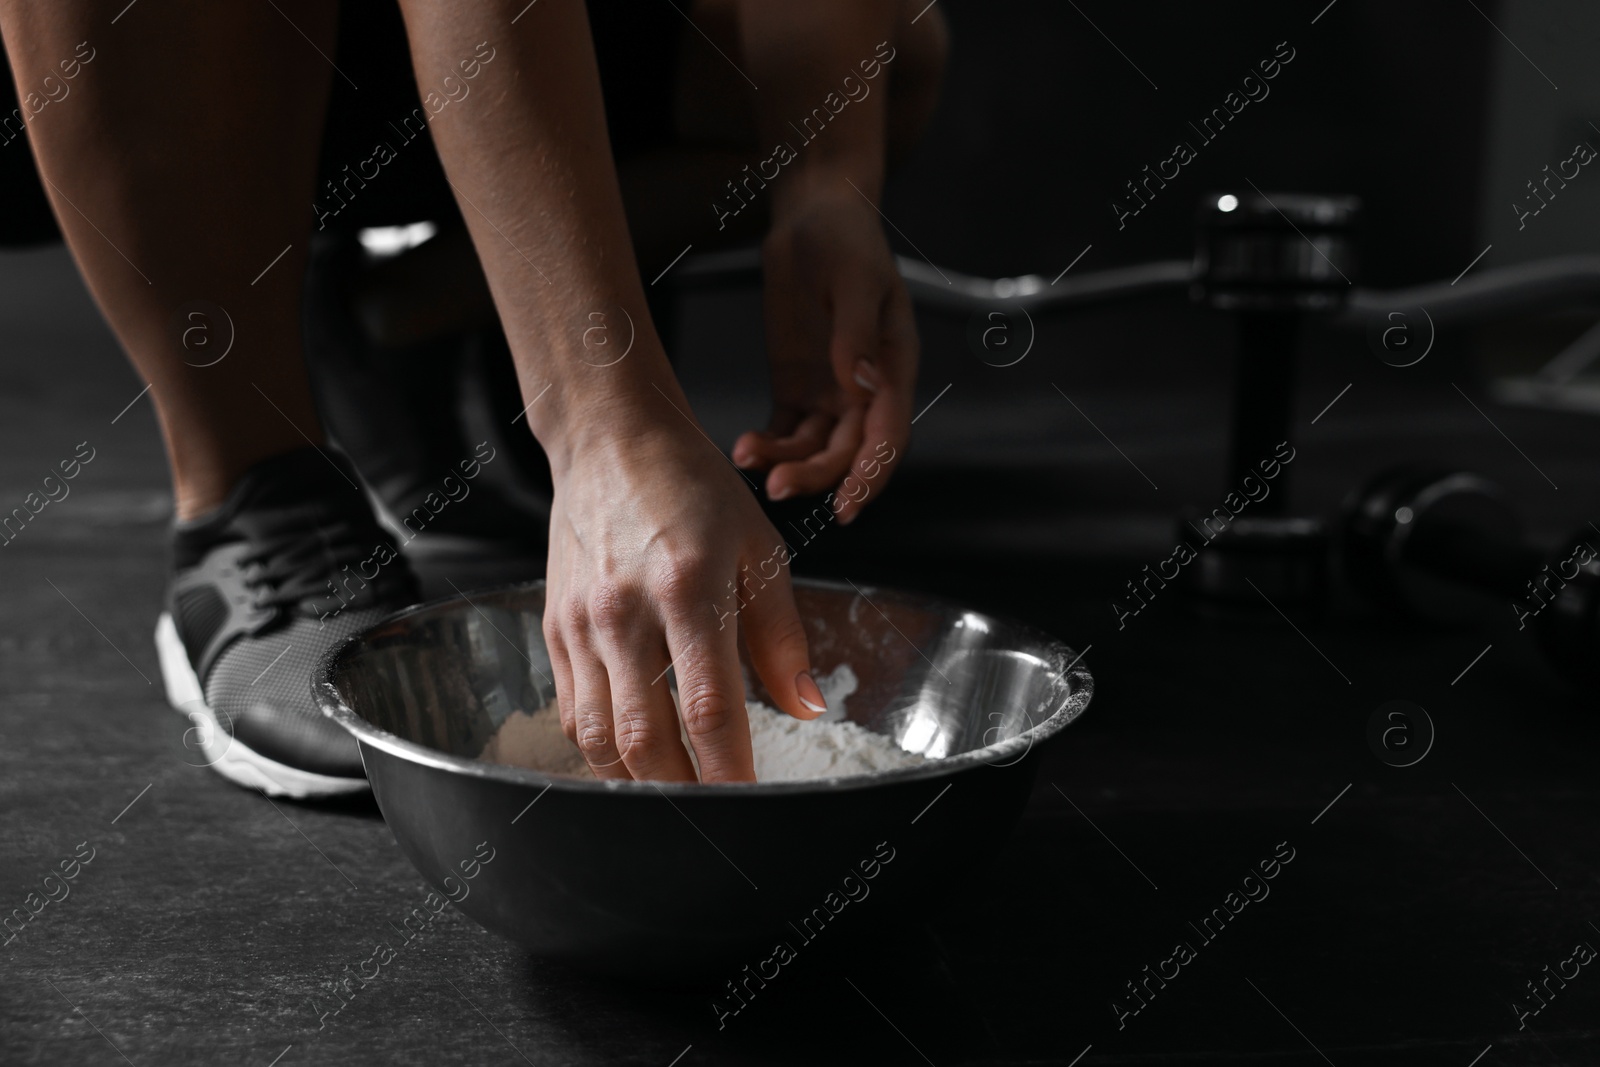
pixel 1269 260
pixel 1447 546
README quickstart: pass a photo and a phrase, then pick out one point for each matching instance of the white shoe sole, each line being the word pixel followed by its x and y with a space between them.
pixel 224 753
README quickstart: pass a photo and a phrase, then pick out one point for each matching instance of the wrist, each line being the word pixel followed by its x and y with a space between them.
pixel 607 418
pixel 591 378
pixel 826 180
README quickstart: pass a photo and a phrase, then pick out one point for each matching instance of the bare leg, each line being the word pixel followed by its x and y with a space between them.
pixel 181 165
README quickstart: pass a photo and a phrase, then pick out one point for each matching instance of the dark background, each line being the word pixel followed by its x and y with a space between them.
pixel 1417 905
pixel 1045 122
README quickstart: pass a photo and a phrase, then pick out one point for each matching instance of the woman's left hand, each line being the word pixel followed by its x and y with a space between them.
pixel 843 349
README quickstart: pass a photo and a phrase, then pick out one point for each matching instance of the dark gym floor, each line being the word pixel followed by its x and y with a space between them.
pixel 1417 904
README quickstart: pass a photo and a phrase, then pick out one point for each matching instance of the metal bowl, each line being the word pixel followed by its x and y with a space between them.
pixel 663 880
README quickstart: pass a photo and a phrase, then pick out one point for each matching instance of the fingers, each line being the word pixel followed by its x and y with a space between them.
pixel 822 444
pixel 613 663
pixel 647 734
pixel 610 663
pixel 711 692
pixel 803 437
pixel 853 346
pixel 591 707
pixel 561 668
pixel 873 354
pixel 886 424
pixel 776 638
pixel 749 449
pixel 822 469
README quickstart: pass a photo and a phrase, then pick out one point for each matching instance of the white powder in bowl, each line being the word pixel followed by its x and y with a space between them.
pixel 786 749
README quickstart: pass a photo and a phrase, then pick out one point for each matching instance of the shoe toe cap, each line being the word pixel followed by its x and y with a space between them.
pixel 298 737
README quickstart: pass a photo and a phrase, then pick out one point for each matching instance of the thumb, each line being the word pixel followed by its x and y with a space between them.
pixel 775 636
pixel 856 338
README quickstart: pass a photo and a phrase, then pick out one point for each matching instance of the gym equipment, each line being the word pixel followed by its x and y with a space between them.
pixel 1447 546
pixel 1270 261
pixel 1273 261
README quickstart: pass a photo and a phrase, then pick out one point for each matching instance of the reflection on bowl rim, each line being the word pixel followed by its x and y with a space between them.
pixel 1010 750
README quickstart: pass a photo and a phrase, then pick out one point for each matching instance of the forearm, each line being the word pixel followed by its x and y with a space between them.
pixel 823 69
pixel 523 142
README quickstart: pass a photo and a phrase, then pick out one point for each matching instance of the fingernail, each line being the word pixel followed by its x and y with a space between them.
pixel 810 695
pixel 867 376
pixel 781 493
pixel 744 460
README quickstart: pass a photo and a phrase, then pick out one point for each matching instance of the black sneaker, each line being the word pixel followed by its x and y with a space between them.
pixel 291 563
pixel 413 415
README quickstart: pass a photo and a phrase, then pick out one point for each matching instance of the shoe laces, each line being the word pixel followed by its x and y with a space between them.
pixel 297 560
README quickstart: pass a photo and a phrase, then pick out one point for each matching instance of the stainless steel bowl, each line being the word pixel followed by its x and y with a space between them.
pixel 661 880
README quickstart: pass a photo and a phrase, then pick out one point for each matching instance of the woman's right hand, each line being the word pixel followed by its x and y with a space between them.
pixel 659 554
